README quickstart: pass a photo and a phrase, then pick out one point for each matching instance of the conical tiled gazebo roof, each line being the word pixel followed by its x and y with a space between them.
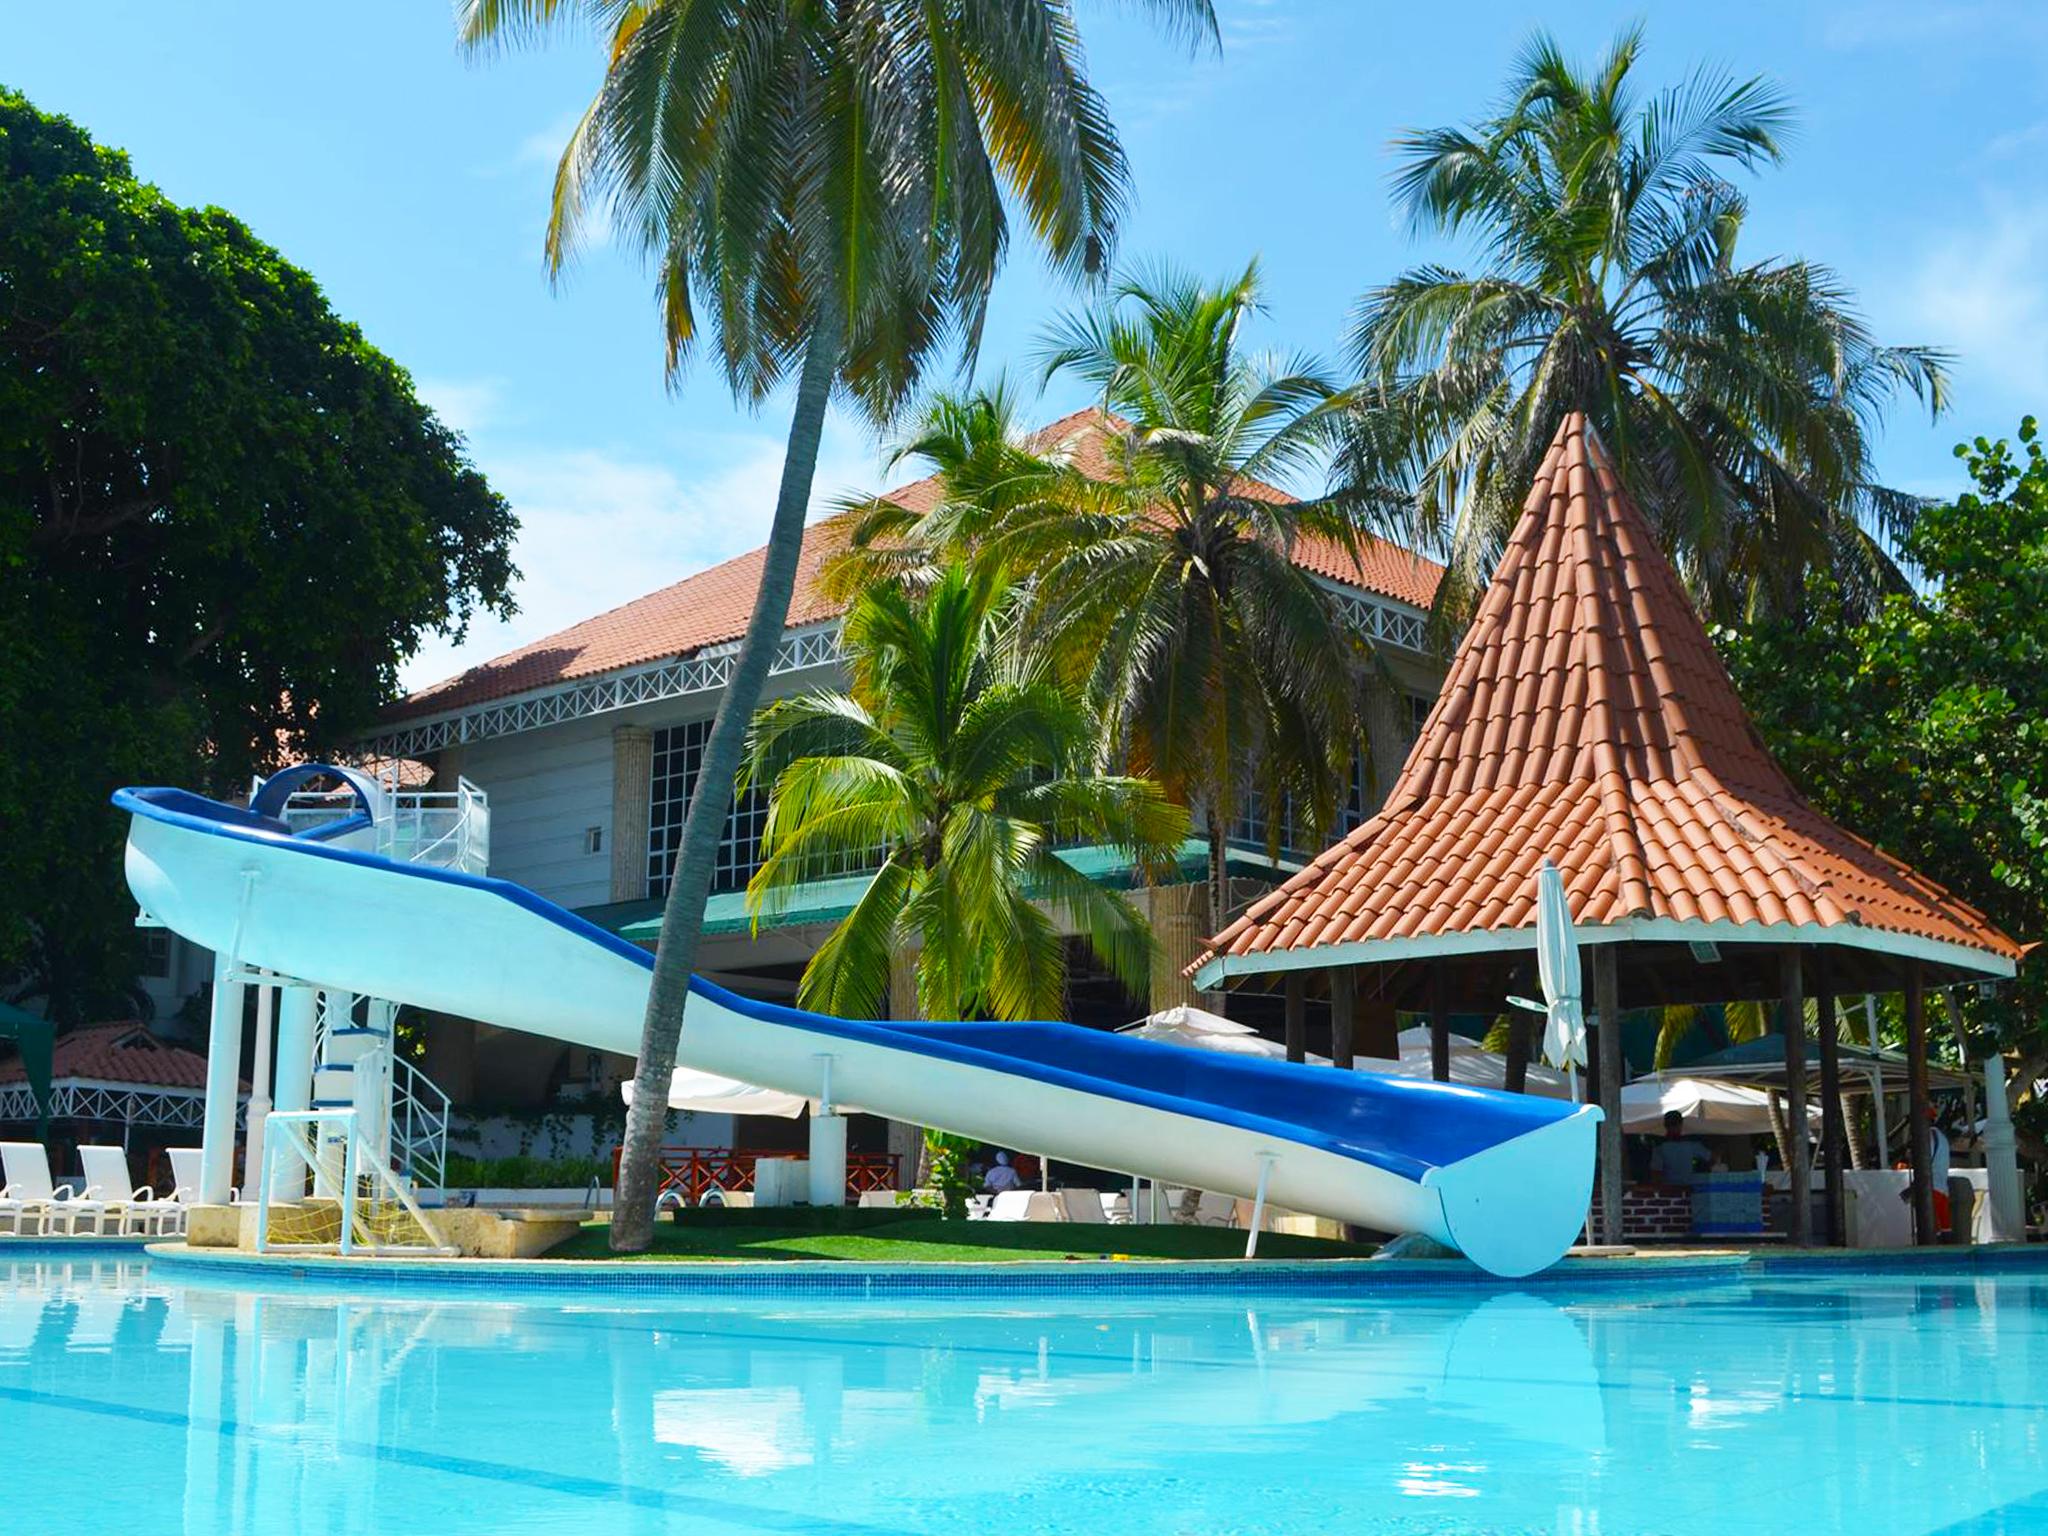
pixel 1587 719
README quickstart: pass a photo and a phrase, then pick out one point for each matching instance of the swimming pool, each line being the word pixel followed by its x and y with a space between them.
pixel 136 1401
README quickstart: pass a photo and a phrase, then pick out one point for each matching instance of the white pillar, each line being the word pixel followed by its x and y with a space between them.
pixel 259 1094
pixel 328 1148
pixel 297 1023
pixel 2001 1158
pixel 223 1080
pixel 828 1159
pixel 374 1089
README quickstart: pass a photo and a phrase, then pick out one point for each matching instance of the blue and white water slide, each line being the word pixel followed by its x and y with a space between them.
pixel 1502 1177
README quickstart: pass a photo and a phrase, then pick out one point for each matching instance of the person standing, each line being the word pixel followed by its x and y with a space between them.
pixel 1002 1177
pixel 1678 1159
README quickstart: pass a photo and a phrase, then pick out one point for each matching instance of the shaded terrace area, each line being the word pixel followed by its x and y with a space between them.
pixel 1586 719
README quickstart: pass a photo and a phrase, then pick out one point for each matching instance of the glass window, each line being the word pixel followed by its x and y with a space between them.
pixel 678 755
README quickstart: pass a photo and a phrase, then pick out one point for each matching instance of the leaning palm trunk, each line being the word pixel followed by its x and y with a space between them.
pixel 1219 890
pixel 682 914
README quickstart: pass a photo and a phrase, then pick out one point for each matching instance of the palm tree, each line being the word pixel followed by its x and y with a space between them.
pixel 1738 399
pixel 992 474
pixel 1164 575
pixel 1223 666
pixel 831 180
pixel 952 767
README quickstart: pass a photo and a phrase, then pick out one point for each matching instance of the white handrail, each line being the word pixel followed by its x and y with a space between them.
pixel 419 1125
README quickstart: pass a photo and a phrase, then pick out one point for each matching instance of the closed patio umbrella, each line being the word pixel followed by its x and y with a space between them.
pixel 1557 969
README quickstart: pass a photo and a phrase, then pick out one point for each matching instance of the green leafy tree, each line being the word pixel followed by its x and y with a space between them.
pixel 225 520
pixel 953 767
pixel 1924 726
pixel 832 181
pixel 1223 669
pixel 1738 398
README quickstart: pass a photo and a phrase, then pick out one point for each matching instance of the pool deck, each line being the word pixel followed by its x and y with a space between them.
pixel 1690 1266
pixel 1673 1265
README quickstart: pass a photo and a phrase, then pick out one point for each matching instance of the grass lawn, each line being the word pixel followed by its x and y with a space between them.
pixel 908 1237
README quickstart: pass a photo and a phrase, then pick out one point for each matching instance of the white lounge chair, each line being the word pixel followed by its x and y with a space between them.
pixel 138 1211
pixel 29 1187
pixel 1026 1205
pixel 24 1215
pixel 185 1181
pixel 1082 1205
pixel 1214 1210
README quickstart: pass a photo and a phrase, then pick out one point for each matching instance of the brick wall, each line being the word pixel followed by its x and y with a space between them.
pixel 1649 1214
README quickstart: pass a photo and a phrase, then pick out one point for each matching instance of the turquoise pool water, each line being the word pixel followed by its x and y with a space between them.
pixel 133 1401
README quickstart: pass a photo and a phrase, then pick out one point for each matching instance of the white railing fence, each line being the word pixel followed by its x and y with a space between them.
pixel 419 1126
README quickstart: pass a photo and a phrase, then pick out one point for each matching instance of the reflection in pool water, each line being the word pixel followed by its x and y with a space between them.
pixel 132 1401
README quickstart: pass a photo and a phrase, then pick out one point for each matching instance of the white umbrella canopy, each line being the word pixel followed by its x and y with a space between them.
pixel 1710 1108
pixel 711 1094
pixel 1188 1025
pixel 1472 1065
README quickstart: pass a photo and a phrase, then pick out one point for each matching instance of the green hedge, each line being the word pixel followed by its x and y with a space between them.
pixel 528 1172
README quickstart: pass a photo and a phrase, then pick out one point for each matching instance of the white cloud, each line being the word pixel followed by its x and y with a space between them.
pixel 1253 24
pixel 468 405
pixel 2017 139
pixel 1916 23
pixel 599 529
pixel 544 146
pixel 1983 294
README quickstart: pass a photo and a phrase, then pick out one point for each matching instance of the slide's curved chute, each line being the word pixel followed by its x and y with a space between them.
pixel 1502 1177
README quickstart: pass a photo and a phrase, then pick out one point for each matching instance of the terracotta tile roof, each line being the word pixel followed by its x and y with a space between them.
pixel 711 607
pixel 118 1053
pixel 1587 718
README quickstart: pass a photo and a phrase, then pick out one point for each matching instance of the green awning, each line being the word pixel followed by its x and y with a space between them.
pixel 827 901
pixel 36 1038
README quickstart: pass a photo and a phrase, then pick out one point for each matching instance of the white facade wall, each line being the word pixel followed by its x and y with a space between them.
pixel 547 789
pixel 549 786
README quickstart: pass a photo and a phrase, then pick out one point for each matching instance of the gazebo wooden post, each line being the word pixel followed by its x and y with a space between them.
pixel 1515 1075
pixel 1607 1013
pixel 1918 1147
pixel 1343 1014
pixel 1834 1138
pixel 1297 1016
pixel 1439 1022
pixel 1798 1168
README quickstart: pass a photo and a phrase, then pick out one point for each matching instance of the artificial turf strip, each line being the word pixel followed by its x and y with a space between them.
pixel 919 1238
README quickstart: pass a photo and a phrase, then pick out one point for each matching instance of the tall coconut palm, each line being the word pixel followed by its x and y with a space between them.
pixel 1225 667
pixel 829 178
pixel 992 474
pixel 952 766
pixel 1738 398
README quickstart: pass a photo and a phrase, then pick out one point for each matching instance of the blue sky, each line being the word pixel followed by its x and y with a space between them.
pixel 413 184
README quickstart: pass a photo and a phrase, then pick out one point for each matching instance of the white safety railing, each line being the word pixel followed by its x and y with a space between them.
pixel 441 828
pixel 419 1126
pixel 365 1208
